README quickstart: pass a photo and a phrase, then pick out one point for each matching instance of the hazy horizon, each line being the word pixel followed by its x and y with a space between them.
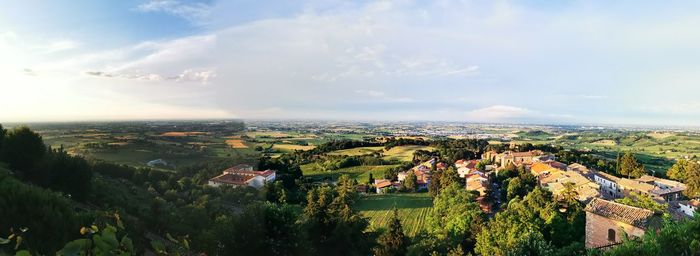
pixel 527 62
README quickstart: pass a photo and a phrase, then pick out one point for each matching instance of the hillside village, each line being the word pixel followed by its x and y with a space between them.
pixel 598 190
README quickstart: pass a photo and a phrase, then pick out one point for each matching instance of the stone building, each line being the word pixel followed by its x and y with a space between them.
pixel 606 221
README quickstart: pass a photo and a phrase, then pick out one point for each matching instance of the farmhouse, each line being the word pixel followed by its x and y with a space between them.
pixel 422 177
pixel 243 175
pixel 383 185
pixel 606 221
pixel 689 208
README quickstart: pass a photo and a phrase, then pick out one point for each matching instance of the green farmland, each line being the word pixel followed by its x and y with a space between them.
pixel 413 209
pixel 359 173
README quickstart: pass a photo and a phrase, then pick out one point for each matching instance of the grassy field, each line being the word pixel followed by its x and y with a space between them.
pixel 357 151
pixel 359 173
pixel 404 153
pixel 413 210
pixel 292 147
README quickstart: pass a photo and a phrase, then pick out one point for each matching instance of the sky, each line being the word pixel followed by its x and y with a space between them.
pixel 558 62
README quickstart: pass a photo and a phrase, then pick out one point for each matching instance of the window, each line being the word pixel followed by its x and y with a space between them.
pixel 611 235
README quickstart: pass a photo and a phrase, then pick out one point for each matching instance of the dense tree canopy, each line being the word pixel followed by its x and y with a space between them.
pixel 411 182
pixel 630 167
pixel 643 201
pixel 335 228
pixel 22 149
pixel 392 242
pixel 533 225
pixel 687 172
pixel 49 217
pixel 456 217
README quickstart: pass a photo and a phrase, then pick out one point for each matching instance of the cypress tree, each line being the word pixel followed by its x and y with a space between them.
pixel 393 241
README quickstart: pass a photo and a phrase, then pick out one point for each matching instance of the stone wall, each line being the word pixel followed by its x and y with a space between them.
pixel 597 230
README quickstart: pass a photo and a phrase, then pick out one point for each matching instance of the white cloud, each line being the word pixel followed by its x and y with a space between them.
pixel 193 12
pixel 499 113
pixel 188 75
pixel 371 93
pixel 394 59
pixel 62 45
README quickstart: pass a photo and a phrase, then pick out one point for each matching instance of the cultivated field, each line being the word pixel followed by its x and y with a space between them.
pixel 413 209
pixel 359 173
pixel 182 134
pixel 292 147
pixel 404 153
pixel 236 143
pixel 357 151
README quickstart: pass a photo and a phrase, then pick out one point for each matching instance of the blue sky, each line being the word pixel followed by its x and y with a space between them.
pixel 622 62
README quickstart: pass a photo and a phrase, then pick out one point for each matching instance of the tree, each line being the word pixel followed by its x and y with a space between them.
pixel 261 229
pixel 434 186
pixel 50 217
pixel 643 201
pixel 517 187
pixel 2 136
pixel 456 217
pixel 371 179
pixel 531 225
pixel 410 182
pixel 392 242
pixel 692 182
pixel 331 224
pixel 630 167
pixel 687 172
pixel 449 177
pixel 680 169
pixel 22 149
pixel 674 238
pixel 569 194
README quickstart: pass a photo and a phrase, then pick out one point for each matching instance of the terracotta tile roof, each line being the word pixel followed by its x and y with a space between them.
pixel 526 154
pixel 608 176
pixel 660 181
pixel 233 179
pixel 539 168
pixel 382 183
pixel 555 164
pixel 694 203
pixel 636 185
pixel 616 211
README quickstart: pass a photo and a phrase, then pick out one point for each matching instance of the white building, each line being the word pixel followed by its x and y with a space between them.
pixel 689 207
pixel 243 175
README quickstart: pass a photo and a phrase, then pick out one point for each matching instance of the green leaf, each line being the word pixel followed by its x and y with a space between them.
pixel 127 244
pixel 18 242
pixel 158 246
pixel 73 248
pixel 169 237
pixel 186 244
pixel 23 253
pixel 109 237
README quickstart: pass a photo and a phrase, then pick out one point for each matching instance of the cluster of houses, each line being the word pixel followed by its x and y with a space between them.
pixel 605 219
pixel 243 175
pixel 421 171
pixel 607 222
